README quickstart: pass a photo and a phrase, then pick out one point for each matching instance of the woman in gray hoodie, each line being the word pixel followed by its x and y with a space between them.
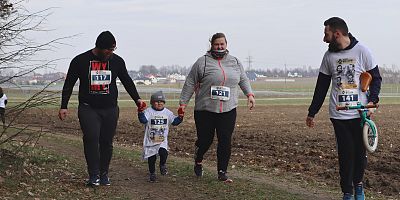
pixel 215 78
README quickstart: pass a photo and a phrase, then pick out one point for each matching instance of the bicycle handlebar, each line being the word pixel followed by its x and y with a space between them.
pixel 356 107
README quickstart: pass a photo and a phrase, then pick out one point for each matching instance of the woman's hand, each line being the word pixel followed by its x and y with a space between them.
pixel 181 111
pixel 251 102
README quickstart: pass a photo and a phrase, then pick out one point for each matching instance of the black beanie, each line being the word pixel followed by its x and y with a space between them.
pixel 105 40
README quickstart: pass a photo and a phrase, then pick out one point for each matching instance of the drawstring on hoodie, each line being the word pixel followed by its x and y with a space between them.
pixel 223 82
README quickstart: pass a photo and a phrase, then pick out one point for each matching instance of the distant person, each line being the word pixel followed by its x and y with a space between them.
pixel 157 120
pixel 3 103
pixel 215 78
pixel 343 63
pixel 98 112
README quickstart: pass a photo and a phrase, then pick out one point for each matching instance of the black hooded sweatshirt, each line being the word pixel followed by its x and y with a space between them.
pixel 90 70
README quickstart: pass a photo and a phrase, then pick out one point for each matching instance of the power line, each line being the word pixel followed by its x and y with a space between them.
pixel 249 61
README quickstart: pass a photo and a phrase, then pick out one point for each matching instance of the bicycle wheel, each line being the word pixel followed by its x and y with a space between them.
pixel 370 138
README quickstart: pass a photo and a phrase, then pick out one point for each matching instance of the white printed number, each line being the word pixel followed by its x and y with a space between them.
pixel 348 98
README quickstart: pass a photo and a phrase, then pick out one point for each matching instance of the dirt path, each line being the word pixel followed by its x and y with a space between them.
pixel 130 180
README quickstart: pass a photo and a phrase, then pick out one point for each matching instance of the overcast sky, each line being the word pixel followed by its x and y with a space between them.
pixel 176 32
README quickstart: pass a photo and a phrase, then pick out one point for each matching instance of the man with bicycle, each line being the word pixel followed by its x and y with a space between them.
pixel 343 62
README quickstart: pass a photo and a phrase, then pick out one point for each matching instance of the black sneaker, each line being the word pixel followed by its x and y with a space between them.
pixel 223 177
pixel 104 180
pixel 198 169
pixel 163 169
pixel 152 177
pixel 93 181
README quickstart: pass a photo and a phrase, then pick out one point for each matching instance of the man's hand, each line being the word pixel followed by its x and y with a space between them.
pixel 181 111
pixel 62 114
pixel 370 110
pixel 141 105
pixel 251 102
pixel 310 122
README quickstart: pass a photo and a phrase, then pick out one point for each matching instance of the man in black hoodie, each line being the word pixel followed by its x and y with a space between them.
pixel 343 63
pixel 97 70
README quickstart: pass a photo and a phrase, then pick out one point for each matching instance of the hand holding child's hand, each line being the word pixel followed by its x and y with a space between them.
pixel 181 111
pixel 141 105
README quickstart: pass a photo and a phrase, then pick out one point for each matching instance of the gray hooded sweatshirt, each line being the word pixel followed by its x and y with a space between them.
pixel 208 71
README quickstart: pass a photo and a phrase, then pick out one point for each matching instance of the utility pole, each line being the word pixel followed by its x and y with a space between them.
pixel 285 75
pixel 249 60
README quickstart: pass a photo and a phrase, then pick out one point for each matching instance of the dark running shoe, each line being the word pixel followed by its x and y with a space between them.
pixel 104 180
pixel 163 169
pixel 198 169
pixel 347 196
pixel 223 177
pixel 152 177
pixel 93 181
pixel 359 192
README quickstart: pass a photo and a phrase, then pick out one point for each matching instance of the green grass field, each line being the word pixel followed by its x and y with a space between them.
pixel 297 92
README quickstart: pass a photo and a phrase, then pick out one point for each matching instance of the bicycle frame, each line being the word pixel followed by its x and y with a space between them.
pixel 363 110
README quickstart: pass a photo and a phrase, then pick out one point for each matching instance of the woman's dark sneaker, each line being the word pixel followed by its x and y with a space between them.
pixel 198 169
pixel 93 181
pixel 163 169
pixel 152 177
pixel 223 177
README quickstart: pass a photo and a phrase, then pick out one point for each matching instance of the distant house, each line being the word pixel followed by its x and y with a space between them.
pixel 177 77
pixel 294 75
pixel 142 81
pixel 260 76
pixel 32 82
pixel 162 80
pixel 252 76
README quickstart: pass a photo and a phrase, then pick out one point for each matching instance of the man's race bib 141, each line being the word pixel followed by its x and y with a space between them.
pixel 220 92
pixel 348 97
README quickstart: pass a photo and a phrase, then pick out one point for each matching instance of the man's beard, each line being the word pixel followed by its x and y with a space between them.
pixel 104 57
pixel 334 45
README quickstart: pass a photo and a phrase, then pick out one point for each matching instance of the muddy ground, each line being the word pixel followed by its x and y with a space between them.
pixel 270 139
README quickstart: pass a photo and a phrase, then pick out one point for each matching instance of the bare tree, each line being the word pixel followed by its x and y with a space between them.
pixel 19 57
pixel 148 69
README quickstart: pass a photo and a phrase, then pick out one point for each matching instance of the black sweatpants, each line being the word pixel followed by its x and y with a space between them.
pixel 351 151
pixel 98 127
pixel 2 115
pixel 206 125
pixel 163 153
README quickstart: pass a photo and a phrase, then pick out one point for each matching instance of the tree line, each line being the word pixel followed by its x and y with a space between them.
pixel 390 75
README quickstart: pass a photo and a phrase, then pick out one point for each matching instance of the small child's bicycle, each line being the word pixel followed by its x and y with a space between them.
pixel 370 131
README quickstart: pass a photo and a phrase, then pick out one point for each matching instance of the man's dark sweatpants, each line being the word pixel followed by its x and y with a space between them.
pixel 98 127
pixel 206 125
pixel 351 151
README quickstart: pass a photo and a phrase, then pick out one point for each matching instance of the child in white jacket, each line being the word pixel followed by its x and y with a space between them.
pixel 157 119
